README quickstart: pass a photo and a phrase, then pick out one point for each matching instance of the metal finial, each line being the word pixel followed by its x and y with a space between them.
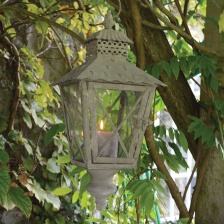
pixel 108 21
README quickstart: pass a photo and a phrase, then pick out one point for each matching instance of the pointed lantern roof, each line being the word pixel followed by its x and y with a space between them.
pixel 106 60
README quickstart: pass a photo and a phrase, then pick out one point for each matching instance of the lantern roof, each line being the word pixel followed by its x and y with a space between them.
pixel 106 60
pixel 109 70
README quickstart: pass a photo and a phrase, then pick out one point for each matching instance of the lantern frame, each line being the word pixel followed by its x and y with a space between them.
pixel 106 68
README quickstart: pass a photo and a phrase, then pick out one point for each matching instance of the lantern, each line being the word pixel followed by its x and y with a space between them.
pixel 106 103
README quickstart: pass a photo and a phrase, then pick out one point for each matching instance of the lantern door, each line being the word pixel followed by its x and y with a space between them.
pixel 119 116
pixel 72 103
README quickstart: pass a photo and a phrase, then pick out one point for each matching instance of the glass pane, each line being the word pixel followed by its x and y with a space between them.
pixel 117 115
pixel 73 115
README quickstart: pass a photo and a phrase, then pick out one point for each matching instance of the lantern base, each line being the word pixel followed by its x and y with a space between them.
pixel 101 186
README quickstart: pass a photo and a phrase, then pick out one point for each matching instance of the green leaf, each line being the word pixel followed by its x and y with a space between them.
pixel 157 71
pixel 4 182
pixel 171 134
pixel 184 65
pixel 200 129
pixel 28 163
pixel 183 141
pixel 21 200
pixel 141 188
pixel 158 187
pixel 53 166
pixel 2 142
pixel 75 197
pixel 52 132
pixel 175 67
pixel 13 135
pixel 27 119
pixel 64 159
pixel 158 174
pixel 84 182
pixel 60 219
pixel 147 200
pixel 4 156
pixel 166 67
pixel 61 191
pixel 221 22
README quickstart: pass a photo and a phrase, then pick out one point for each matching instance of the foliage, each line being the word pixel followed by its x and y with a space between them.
pixel 35 170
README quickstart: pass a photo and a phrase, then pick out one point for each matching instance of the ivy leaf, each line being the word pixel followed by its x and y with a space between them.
pixel 61 191
pixel 52 166
pixel 4 156
pixel 52 132
pixel 4 182
pixel 54 200
pixel 21 200
pixel 13 135
pixel 27 119
pixel 156 71
pixel 60 219
pixel 64 159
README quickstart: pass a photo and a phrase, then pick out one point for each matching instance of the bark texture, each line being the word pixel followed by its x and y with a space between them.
pixel 210 203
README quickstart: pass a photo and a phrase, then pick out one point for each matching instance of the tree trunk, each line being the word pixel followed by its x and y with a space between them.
pixel 210 203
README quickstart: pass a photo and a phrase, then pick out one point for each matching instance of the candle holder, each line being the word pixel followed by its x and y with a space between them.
pixel 110 89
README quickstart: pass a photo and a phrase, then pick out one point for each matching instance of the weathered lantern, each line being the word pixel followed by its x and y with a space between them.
pixel 106 102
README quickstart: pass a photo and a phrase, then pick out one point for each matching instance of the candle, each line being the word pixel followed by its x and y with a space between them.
pixel 112 146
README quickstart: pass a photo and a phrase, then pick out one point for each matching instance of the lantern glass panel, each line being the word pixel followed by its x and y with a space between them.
pixel 119 112
pixel 73 115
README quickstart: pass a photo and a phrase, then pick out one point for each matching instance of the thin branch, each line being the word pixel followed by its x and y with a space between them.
pixel 15 102
pixel 194 169
pixel 154 26
pixel 200 178
pixel 161 7
pixel 63 48
pixel 186 3
pixel 161 167
pixel 41 18
pixel 182 33
pixel 182 17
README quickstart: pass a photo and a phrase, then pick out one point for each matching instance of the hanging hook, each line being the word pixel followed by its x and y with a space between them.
pixel 119 10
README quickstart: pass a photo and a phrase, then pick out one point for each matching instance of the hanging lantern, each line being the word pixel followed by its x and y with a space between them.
pixel 106 102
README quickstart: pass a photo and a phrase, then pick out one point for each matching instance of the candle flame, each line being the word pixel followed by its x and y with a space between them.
pixel 101 125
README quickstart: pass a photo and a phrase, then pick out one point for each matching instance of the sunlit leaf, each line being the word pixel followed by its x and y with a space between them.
pixel 61 191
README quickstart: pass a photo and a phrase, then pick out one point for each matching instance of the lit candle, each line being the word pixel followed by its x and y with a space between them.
pixel 112 146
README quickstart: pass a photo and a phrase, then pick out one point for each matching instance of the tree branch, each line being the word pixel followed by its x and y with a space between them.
pixel 183 34
pixel 137 30
pixel 171 17
pixel 200 178
pixel 161 166
pixel 15 102
pixel 43 19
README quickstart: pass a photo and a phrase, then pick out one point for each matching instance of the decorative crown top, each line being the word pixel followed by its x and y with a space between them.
pixel 108 21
